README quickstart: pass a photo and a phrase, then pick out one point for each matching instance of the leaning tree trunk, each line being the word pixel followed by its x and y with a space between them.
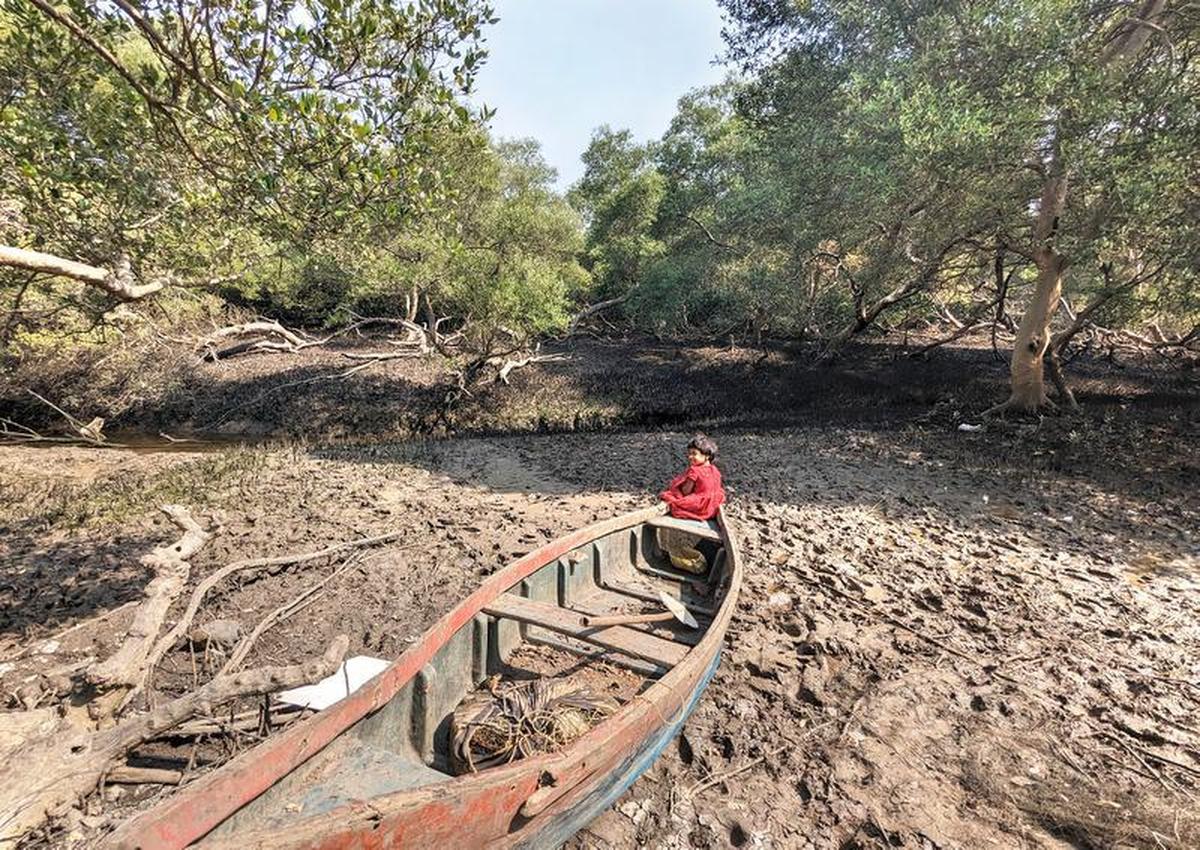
pixel 118 281
pixel 1028 367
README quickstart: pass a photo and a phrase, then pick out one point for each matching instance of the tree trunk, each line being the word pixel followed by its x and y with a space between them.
pixel 412 303
pixel 1033 337
pixel 1028 366
pixel 1028 391
pixel 119 282
pixel 432 322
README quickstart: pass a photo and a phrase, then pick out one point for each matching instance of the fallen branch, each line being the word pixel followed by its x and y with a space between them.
pixel 175 635
pixel 15 432
pixel 90 432
pixel 126 668
pixel 246 721
pixel 508 366
pixel 56 768
pixel 380 356
pixel 418 335
pixel 287 609
pixel 592 310
pixel 264 336
pixel 962 328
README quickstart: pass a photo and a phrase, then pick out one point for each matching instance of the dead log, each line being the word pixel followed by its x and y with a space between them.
pixel 262 336
pixel 126 668
pixel 55 768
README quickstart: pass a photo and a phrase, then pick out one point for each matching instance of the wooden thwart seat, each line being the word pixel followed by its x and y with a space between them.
pixel 620 638
pixel 688 526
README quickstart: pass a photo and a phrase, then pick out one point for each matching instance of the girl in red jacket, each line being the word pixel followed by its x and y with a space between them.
pixel 696 493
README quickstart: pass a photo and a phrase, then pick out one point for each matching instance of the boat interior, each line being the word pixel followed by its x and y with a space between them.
pixel 534 629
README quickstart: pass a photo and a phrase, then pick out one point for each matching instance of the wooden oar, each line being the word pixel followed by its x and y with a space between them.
pixel 675 611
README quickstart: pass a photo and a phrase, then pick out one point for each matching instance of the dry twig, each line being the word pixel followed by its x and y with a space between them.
pixel 173 637
pixel 287 609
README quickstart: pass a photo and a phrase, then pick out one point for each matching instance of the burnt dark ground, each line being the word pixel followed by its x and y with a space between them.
pixel 598 385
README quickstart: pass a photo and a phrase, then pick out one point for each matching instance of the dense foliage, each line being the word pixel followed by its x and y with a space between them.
pixel 307 158
pixel 871 164
pixel 884 160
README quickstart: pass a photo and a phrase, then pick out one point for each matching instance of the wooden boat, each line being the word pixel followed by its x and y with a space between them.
pixel 371 771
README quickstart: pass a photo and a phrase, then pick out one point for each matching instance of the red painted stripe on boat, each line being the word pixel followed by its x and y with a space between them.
pixel 197 809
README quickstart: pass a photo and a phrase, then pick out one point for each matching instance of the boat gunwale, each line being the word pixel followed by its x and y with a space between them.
pixel 252 773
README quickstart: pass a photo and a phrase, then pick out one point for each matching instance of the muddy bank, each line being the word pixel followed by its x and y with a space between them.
pixel 597 385
pixel 947 639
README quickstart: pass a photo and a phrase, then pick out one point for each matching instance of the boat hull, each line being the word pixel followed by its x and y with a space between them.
pixel 575 815
pixel 538 802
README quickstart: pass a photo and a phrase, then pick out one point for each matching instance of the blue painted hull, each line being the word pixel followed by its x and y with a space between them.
pixel 559 829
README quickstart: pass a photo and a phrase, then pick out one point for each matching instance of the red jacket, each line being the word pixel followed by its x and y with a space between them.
pixel 706 496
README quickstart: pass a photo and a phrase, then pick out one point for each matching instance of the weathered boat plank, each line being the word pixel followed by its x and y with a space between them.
pixel 699 529
pixel 620 638
pixel 603 602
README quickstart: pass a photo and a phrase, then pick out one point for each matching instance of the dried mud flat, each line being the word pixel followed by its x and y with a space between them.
pixel 946 639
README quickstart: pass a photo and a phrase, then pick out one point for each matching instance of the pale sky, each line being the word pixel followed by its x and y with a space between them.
pixel 557 69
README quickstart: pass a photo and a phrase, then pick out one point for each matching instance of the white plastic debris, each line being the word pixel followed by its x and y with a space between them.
pixel 969 428
pixel 352 675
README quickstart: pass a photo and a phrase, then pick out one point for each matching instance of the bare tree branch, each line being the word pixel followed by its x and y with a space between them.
pixel 118 282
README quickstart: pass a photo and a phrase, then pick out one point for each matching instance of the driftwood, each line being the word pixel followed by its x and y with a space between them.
pixel 258 336
pixel 126 668
pixel 53 769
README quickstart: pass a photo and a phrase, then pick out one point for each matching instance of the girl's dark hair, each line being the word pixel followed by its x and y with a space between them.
pixel 703 443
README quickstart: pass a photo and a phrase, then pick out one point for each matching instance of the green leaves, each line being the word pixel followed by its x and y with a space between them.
pixel 296 114
pixel 893 131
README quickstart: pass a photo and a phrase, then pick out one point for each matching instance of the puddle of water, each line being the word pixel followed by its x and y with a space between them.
pixel 143 443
